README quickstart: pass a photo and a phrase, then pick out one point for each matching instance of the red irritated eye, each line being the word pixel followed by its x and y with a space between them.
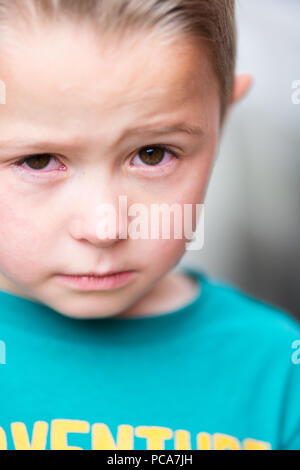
pixel 40 162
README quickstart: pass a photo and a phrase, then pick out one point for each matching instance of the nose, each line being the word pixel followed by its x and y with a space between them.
pixel 98 227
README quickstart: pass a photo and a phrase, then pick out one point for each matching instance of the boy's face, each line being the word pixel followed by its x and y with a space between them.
pixel 81 98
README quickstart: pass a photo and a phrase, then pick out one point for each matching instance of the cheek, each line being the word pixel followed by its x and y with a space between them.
pixel 157 254
pixel 160 256
pixel 22 238
pixel 170 250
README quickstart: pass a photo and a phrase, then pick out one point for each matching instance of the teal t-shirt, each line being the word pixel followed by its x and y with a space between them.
pixel 220 373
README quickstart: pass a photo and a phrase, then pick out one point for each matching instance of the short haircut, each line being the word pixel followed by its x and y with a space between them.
pixel 212 21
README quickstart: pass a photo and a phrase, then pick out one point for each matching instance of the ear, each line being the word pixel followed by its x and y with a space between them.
pixel 242 84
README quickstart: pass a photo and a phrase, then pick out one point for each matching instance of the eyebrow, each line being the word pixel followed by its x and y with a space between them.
pixel 174 129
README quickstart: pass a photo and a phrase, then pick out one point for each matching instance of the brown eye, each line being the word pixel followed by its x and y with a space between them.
pixel 38 162
pixel 35 164
pixel 152 155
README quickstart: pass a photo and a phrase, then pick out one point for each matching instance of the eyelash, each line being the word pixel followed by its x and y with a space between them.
pixel 164 148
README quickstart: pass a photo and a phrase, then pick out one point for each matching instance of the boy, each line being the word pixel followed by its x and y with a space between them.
pixel 105 345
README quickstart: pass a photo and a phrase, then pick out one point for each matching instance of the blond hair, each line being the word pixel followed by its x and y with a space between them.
pixel 212 21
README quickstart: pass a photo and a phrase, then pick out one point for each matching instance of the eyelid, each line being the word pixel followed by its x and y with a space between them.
pixel 21 160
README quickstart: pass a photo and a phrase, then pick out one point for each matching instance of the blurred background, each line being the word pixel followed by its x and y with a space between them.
pixel 252 207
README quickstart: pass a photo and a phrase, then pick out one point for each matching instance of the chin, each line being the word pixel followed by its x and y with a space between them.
pixel 85 314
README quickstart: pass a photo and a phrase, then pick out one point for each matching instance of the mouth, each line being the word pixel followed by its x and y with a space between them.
pixel 94 281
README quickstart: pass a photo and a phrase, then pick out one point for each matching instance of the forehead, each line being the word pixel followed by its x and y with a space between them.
pixel 65 72
pixel 68 59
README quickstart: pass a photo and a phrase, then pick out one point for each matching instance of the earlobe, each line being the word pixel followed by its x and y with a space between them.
pixel 242 84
